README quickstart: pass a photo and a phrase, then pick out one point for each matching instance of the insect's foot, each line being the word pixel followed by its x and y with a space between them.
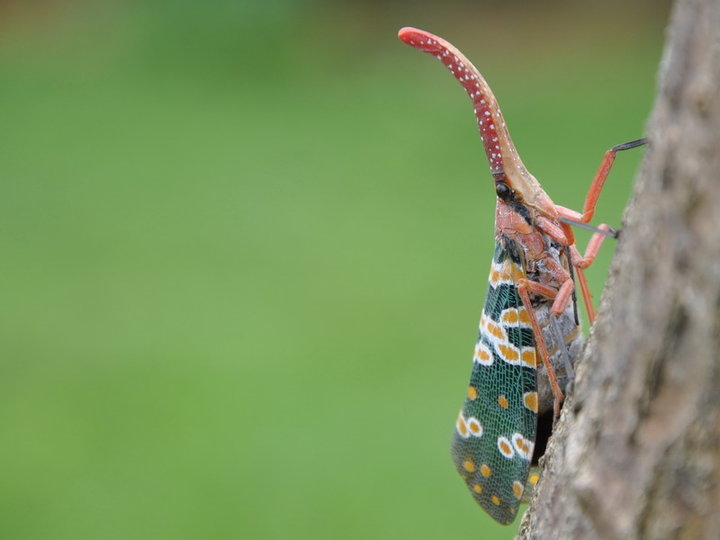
pixel 556 412
pixel 629 145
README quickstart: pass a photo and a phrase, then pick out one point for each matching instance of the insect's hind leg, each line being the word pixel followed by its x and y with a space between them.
pixel 525 287
pixel 581 262
pixel 585 291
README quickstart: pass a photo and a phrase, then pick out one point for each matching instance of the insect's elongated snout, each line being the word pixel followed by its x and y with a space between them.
pixel 505 163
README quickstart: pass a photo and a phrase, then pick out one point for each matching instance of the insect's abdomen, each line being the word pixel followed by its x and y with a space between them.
pixel 495 432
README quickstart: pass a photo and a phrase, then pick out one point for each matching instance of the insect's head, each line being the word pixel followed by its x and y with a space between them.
pixel 523 189
pixel 503 190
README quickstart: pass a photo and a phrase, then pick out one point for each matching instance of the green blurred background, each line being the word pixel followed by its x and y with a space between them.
pixel 245 248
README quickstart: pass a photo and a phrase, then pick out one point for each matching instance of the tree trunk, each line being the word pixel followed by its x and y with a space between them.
pixel 636 453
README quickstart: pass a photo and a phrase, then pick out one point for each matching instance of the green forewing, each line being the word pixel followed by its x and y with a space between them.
pixel 495 432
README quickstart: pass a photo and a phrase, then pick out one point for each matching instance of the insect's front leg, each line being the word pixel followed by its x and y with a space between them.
pixel 592 249
pixel 579 261
pixel 597 184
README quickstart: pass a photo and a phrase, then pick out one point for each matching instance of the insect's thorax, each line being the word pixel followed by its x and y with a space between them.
pixel 517 222
pixel 515 228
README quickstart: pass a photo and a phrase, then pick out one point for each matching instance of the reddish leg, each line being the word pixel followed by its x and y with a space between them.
pixel 562 233
pixel 525 286
pixel 561 295
pixel 587 297
pixel 592 249
pixel 562 298
pixel 598 182
pixel 582 262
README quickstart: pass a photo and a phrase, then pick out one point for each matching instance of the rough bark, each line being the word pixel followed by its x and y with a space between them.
pixel 636 453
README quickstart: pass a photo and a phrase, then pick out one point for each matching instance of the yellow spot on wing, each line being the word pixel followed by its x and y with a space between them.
pixel 485 470
pixel 461 426
pixel 516 273
pixel 508 353
pixel 528 358
pixel 502 400
pixel 496 331
pixel 515 316
pixel 483 356
pixel 523 446
pixel 518 489
pixel 472 392
pixel 468 465
pixel 477 488
pixel 530 399
pixel 474 426
pixel 533 479
pixel 495 499
pixel 505 447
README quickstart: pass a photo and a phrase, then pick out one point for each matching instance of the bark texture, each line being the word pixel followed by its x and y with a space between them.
pixel 636 453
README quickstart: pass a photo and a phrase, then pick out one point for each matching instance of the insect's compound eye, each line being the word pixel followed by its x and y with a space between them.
pixel 503 191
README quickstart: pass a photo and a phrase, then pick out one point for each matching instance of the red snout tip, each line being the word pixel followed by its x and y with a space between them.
pixel 420 39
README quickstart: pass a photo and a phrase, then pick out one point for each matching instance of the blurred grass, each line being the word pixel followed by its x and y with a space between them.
pixel 245 248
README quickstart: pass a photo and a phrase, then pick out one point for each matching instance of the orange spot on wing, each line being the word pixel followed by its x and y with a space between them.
pixel 495 330
pixel 477 488
pixel 496 500
pixel 517 273
pixel 522 445
pixel 475 427
pixel 472 392
pixel 518 489
pixel 513 316
pixel 502 400
pixel 528 358
pixel 461 426
pixel 508 353
pixel 505 448
pixel 485 470
pixel 531 401
pixel 468 465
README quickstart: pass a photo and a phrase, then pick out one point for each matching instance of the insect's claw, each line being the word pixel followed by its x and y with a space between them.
pixel 629 145
pixel 570 385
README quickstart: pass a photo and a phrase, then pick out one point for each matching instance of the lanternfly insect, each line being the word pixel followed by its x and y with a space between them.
pixel 530 310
